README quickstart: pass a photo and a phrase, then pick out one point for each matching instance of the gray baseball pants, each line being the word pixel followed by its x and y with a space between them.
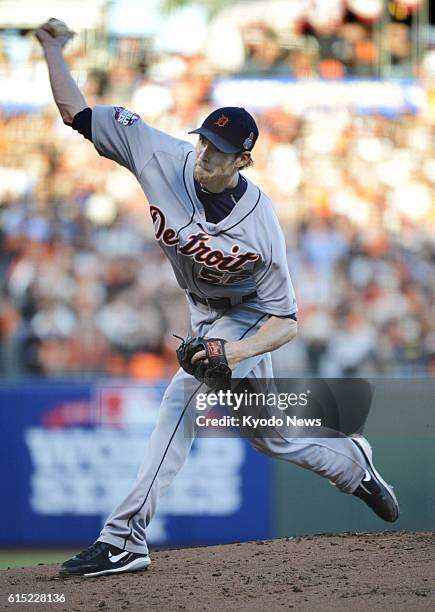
pixel 337 459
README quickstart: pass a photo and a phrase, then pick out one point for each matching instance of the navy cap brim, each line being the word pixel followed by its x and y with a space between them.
pixel 219 143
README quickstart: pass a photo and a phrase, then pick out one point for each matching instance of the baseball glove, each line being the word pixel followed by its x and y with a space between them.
pixel 213 370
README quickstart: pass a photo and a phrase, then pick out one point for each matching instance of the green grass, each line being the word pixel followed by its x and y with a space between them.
pixel 31 556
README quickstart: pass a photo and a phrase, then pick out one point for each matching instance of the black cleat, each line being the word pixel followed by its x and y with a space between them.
pixel 102 558
pixel 373 490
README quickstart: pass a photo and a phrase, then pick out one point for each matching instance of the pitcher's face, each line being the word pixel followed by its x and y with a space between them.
pixel 211 165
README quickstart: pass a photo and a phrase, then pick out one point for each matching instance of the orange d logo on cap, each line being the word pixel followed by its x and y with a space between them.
pixel 222 121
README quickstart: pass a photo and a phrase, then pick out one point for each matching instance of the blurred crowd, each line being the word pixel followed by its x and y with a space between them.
pixel 85 290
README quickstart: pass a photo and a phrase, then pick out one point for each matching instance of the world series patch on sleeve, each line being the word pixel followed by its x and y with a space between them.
pixel 124 116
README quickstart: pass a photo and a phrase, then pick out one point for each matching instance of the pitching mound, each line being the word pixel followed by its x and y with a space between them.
pixel 386 571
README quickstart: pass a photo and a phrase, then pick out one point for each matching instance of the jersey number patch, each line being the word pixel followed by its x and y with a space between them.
pixel 216 277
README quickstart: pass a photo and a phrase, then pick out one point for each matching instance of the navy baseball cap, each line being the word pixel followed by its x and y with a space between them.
pixel 231 129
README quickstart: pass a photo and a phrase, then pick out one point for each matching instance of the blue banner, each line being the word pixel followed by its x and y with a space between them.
pixel 71 451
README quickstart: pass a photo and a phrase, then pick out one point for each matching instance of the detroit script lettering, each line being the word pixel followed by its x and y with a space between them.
pixel 197 247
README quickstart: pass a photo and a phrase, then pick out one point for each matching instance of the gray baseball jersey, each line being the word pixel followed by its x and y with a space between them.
pixel 243 253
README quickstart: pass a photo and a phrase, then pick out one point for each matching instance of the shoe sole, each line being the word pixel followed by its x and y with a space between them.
pixel 366 450
pixel 134 566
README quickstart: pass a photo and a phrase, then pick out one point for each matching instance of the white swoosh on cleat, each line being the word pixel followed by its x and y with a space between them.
pixel 116 558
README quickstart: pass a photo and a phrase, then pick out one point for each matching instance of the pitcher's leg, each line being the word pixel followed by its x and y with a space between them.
pixel 345 461
pixel 165 454
pixel 337 459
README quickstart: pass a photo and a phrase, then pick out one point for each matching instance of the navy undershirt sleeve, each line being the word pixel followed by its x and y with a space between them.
pixel 82 123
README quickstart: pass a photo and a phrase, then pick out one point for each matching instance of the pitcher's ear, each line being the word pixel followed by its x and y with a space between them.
pixel 244 160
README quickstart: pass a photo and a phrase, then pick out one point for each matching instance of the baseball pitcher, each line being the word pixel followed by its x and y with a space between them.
pixel 224 242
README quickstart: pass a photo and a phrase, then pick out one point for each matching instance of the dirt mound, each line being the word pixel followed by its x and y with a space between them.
pixel 385 571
